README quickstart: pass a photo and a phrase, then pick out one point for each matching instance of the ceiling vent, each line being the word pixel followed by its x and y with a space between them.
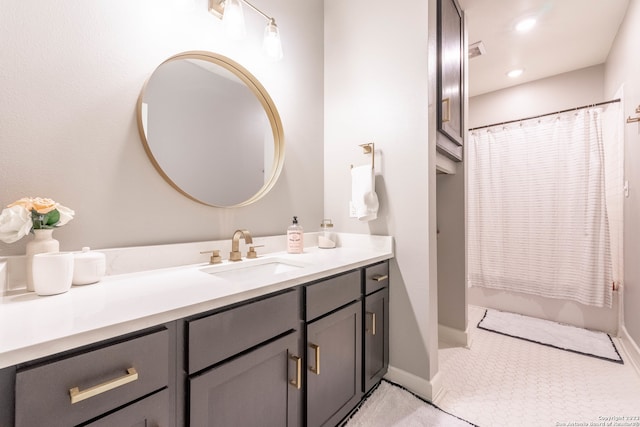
pixel 476 49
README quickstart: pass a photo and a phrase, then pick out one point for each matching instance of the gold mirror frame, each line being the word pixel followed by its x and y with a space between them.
pixel 263 97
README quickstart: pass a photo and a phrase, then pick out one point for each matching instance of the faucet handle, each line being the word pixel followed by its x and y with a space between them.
pixel 252 251
pixel 215 256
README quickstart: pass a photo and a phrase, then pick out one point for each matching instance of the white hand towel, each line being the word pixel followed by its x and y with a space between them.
pixel 363 195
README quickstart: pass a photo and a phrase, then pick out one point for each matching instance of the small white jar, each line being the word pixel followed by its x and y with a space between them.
pixel 52 272
pixel 326 238
pixel 89 267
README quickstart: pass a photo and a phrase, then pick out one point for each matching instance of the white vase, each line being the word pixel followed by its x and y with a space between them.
pixel 43 242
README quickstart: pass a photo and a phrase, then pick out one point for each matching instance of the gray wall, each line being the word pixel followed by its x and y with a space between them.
pixel 70 78
pixel 451 231
pixel 452 281
pixel 567 90
pixel 622 70
pixel 379 62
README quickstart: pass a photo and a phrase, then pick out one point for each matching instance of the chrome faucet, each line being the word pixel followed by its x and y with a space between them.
pixel 235 254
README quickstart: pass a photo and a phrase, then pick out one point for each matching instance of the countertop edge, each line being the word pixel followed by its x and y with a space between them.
pixel 57 345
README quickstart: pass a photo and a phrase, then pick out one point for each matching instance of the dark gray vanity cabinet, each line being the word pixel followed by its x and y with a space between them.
pixel 376 324
pixel 450 77
pixel 120 382
pixel 303 356
pixel 334 348
pixel 7 396
pixel 245 366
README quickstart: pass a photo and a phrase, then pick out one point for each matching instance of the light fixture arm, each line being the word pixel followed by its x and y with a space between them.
pixel 267 17
pixel 271 44
pixel 216 7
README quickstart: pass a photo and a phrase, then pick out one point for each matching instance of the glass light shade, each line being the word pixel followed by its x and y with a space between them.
pixel 233 19
pixel 271 45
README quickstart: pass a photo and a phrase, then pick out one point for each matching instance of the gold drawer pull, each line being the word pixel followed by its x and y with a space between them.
pixel 446 117
pixel 78 396
pixel 373 322
pixel 316 349
pixel 380 277
pixel 297 383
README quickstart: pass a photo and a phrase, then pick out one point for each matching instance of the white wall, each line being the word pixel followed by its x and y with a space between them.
pixel 379 64
pixel 563 91
pixel 622 70
pixel 70 78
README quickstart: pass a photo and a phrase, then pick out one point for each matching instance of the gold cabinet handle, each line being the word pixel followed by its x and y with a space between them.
pixel 446 117
pixel 380 277
pixel 78 396
pixel 297 383
pixel 316 349
pixel 373 322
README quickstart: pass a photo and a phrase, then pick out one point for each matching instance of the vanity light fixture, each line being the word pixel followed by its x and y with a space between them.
pixel 515 73
pixel 233 20
pixel 230 11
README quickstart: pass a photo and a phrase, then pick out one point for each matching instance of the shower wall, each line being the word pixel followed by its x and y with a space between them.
pixel 622 70
pixel 563 91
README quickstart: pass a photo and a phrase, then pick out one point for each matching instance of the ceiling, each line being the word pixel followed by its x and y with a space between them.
pixel 569 35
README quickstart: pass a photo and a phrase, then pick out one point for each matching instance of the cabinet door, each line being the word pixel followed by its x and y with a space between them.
pixel 261 388
pixel 334 360
pixel 152 411
pixel 376 337
pixel 450 79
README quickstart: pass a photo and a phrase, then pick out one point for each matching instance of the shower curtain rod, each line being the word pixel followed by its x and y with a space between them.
pixel 548 114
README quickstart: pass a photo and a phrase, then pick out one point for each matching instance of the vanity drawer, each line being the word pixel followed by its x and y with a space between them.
pixel 219 336
pixel 152 411
pixel 328 295
pixel 105 378
pixel 376 277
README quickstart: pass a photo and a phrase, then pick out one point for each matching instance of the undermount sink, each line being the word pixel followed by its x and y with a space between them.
pixel 252 269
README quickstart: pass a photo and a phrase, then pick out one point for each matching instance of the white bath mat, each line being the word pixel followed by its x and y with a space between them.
pixel 392 406
pixel 552 334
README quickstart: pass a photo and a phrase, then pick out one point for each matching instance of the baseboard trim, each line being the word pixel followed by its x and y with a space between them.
pixel 453 336
pixel 630 348
pixel 428 390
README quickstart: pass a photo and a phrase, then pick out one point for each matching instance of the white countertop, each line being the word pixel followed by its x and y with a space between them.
pixel 33 326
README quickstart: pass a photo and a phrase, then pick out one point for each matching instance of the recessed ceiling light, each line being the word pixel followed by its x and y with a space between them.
pixel 525 25
pixel 515 73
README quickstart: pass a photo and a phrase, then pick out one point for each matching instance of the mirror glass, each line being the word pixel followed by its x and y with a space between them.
pixel 211 129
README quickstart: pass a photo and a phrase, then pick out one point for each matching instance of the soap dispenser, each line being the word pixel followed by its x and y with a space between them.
pixel 295 237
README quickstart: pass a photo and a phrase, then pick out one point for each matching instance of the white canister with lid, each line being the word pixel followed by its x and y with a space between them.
pixel 326 238
pixel 88 267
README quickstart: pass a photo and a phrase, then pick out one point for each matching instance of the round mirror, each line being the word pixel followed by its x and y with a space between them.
pixel 211 129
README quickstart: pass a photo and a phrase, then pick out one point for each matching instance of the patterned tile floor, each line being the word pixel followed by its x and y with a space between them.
pixel 503 381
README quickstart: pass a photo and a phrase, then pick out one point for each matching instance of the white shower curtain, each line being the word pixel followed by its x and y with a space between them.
pixel 537 206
